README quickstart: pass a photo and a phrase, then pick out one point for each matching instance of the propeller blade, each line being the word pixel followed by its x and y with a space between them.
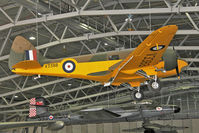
pixel 177 71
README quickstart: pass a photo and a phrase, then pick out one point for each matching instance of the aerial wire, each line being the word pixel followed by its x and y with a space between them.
pixel 108 96
pixel 37 32
pixel 150 15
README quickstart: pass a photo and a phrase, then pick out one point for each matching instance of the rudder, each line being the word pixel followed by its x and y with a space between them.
pixel 38 107
pixel 21 50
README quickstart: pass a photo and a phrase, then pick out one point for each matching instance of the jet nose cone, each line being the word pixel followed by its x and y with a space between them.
pixel 176 109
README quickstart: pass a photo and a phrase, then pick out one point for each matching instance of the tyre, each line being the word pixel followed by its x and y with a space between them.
pixel 154 85
pixel 138 95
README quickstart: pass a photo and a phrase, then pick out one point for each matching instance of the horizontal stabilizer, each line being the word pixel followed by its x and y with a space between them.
pixel 27 64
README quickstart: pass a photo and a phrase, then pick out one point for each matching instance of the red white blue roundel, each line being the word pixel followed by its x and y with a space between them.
pixel 156 48
pixel 50 117
pixel 69 66
pixel 159 108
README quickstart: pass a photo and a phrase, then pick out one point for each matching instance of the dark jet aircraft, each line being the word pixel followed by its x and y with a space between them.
pixel 39 115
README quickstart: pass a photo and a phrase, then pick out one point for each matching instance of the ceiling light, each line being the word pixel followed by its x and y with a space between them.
pixel 32 38
pixel 39 13
pixel 105 44
pixel 113 38
pixel 179 99
pixel 69 84
pixel 16 96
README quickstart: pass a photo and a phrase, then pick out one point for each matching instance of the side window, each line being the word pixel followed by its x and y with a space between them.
pixel 114 57
pixel 101 57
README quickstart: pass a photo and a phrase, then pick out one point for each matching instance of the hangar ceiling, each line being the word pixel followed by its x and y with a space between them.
pixel 65 28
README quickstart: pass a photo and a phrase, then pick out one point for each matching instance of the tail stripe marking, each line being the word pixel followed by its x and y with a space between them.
pixel 32 111
pixel 31 55
pixel 32 101
pixel 27 55
pixel 35 54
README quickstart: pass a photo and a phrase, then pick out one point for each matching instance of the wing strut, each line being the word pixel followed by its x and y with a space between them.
pixel 113 78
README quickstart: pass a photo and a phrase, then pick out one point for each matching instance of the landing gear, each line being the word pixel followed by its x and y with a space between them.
pixel 37 77
pixel 154 85
pixel 138 95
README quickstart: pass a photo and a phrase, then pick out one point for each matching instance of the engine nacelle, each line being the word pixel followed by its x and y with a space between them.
pixel 149 130
pixel 55 126
pixel 170 59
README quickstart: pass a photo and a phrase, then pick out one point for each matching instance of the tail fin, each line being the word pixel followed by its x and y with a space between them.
pixel 38 107
pixel 22 50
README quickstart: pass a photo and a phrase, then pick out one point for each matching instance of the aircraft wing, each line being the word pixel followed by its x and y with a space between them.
pixel 23 124
pixel 148 53
pixel 98 113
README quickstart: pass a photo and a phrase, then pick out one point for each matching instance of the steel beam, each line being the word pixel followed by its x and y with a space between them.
pixel 85 5
pixel 109 34
pixel 5 41
pixel 63 34
pixel 81 42
pixel 75 39
pixel 47 96
pixel 102 13
pixel 109 19
pixel 18 14
pixel 182 78
pixel 139 4
pixel 180 92
pixel 71 3
pixel 168 19
pixel 86 97
pixel 51 32
pixel 8 17
pixel 191 20
pixel 191 59
pixel 119 99
pixel 178 3
pixel 186 47
pixel 168 3
pixel 9 77
pixel 90 96
pixel 33 87
pixel 193 68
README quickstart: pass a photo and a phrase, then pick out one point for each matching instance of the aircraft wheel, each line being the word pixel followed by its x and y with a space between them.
pixel 154 85
pixel 138 95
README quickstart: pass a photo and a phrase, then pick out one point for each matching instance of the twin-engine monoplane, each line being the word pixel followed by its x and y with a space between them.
pixel 150 61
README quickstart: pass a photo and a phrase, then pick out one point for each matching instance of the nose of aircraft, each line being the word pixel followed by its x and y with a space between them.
pixel 176 109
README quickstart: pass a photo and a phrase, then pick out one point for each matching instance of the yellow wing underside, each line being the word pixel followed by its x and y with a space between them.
pixel 147 54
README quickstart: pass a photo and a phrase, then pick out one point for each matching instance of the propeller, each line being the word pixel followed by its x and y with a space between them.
pixel 177 68
pixel 171 61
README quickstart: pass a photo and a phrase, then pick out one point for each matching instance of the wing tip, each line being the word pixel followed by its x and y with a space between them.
pixel 172 27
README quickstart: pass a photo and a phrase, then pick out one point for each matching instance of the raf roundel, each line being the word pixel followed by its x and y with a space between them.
pixel 51 117
pixel 159 108
pixel 69 66
pixel 156 48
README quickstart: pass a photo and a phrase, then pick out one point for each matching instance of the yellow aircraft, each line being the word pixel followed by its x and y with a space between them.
pixel 144 64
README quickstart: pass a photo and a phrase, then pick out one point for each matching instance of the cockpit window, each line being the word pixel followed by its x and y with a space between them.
pixel 100 57
pixel 114 57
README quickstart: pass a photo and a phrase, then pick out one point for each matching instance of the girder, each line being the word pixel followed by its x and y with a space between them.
pixel 102 12
pixel 98 24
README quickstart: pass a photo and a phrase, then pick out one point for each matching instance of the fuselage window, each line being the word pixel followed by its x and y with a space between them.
pixel 114 57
